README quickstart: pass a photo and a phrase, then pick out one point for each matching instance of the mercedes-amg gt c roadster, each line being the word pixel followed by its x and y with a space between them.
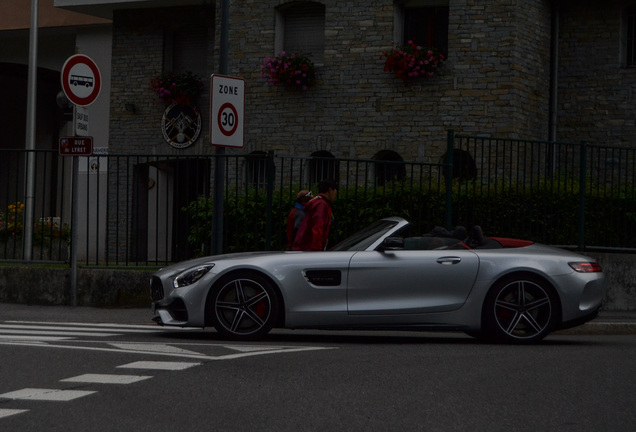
pixel 498 289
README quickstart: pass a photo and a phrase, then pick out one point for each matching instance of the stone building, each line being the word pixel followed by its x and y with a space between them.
pixel 533 69
pixel 503 57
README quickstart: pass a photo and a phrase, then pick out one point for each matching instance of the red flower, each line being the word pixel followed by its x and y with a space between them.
pixel 412 61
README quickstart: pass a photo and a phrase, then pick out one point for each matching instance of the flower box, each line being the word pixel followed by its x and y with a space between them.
pixel 294 71
pixel 412 61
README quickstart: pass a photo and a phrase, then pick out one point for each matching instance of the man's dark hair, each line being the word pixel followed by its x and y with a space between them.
pixel 325 185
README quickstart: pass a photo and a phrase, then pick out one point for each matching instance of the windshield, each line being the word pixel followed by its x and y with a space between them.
pixel 365 237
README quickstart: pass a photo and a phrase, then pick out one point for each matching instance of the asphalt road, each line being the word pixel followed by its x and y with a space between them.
pixel 109 370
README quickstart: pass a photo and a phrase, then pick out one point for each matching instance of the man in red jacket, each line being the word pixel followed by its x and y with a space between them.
pixel 314 230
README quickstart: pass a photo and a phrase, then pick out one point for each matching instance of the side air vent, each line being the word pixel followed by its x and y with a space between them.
pixel 324 277
pixel 156 289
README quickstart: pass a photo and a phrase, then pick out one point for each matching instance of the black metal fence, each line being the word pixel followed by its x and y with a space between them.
pixel 574 195
pixel 142 210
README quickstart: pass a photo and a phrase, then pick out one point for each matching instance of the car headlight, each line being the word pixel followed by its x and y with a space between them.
pixel 191 276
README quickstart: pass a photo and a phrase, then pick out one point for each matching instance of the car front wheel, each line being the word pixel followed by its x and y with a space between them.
pixel 521 309
pixel 242 307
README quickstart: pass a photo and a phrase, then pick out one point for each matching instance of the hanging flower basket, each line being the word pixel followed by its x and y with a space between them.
pixel 294 71
pixel 412 61
pixel 177 88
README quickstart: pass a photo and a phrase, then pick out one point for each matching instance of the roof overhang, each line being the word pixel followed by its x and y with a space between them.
pixel 16 15
pixel 105 8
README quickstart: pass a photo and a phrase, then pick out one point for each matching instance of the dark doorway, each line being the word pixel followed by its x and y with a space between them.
pixel 161 190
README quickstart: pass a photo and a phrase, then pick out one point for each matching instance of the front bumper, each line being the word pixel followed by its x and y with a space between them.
pixel 174 313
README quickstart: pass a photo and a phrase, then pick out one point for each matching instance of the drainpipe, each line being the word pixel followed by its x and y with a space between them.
pixel 554 77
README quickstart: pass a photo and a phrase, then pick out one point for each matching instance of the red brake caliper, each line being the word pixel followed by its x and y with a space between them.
pixel 260 308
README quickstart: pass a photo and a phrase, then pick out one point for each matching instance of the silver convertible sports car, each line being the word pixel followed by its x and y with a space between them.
pixel 382 278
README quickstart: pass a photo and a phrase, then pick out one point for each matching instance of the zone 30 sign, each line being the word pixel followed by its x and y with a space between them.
pixel 227 102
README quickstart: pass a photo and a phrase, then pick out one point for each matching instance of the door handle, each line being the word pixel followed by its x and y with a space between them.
pixel 449 260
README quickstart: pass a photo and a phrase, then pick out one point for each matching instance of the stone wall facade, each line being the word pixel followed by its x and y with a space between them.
pixel 597 94
pixel 138 56
pixel 495 81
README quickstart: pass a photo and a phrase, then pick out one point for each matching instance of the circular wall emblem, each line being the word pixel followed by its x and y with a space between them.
pixel 181 125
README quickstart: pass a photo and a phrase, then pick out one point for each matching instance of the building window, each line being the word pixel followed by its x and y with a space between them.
pixel 300 28
pixel 256 169
pixel 186 40
pixel 424 22
pixel 322 166
pixel 389 167
pixel 629 37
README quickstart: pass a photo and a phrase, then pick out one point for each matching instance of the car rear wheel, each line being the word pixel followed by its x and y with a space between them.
pixel 242 306
pixel 521 309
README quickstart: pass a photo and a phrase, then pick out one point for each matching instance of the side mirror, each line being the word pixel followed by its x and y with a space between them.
pixel 393 243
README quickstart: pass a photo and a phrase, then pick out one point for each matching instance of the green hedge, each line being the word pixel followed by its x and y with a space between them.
pixel 547 212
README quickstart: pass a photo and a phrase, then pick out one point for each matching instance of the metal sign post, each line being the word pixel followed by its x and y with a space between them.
pixel 219 161
pixel 73 258
pixel 75 146
pixel 29 200
pixel 81 82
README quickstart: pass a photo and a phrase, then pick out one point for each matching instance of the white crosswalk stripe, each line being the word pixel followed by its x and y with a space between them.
pixel 94 337
pixel 159 365
pixel 47 332
pixel 106 379
pixel 123 328
pixel 46 394
pixel 10 412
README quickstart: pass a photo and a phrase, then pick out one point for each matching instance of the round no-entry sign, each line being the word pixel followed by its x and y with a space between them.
pixel 227 101
pixel 81 80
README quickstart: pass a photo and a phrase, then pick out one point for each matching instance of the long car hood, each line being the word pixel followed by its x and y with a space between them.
pixel 184 265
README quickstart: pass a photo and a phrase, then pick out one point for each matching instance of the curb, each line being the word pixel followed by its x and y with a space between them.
pixel 602 328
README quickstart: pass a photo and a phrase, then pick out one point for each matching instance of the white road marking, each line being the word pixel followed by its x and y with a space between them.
pixel 10 412
pixel 33 339
pixel 125 328
pixel 46 394
pixel 58 333
pixel 157 365
pixel 251 348
pixel 162 350
pixel 106 379
pixel 63 336
pixel 153 348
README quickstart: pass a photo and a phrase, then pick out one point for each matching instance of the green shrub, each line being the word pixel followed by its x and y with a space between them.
pixel 546 212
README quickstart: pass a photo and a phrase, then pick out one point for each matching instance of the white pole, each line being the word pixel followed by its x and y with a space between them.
pixel 30 134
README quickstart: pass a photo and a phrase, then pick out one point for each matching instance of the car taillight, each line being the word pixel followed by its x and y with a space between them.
pixel 586 267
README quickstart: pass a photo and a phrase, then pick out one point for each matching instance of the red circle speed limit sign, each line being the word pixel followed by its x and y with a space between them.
pixel 228 119
pixel 227 102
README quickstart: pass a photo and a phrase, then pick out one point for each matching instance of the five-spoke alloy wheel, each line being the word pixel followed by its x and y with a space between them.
pixel 521 309
pixel 242 306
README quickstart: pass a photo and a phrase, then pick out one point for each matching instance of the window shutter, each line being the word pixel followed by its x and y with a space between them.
pixel 305 31
pixel 189 49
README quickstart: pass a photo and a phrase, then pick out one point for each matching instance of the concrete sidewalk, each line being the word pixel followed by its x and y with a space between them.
pixel 78 314
pixel 608 322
